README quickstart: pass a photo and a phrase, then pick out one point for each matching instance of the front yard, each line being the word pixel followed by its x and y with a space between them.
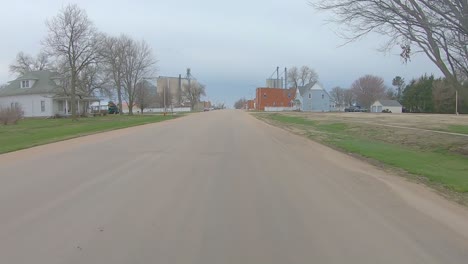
pixel 396 141
pixel 33 132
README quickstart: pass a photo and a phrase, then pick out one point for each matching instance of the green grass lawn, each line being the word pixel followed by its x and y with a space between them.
pixel 33 132
pixel 438 165
pixel 458 129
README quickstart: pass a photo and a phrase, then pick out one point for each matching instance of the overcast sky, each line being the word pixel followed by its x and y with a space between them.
pixel 231 46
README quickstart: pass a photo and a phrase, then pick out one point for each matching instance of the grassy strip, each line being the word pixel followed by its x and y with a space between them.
pixel 437 165
pixel 34 132
pixel 458 129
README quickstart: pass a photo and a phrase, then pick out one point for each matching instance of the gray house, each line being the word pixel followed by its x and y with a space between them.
pixel 41 94
pixel 313 98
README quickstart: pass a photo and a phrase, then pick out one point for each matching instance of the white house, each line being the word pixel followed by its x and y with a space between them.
pixel 390 105
pixel 40 94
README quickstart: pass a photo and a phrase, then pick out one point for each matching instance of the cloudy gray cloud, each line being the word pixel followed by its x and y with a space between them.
pixel 231 46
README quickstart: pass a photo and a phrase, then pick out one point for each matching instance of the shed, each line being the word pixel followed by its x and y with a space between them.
pixel 391 105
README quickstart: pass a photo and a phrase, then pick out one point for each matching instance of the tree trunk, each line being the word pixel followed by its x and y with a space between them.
pixel 130 107
pixel 119 95
pixel 73 95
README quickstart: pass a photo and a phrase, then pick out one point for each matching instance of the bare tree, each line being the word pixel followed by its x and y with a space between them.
pixel 349 97
pixel 138 65
pixel 240 104
pixel 92 80
pixel 193 92
pixel 143 98
pixel 307 75
pixel 439 29
pixel 25 63
pixel 73 38
pixel 112 53
pixel 368 89
pixel 293 77
pixel 338 96
pixel 301 77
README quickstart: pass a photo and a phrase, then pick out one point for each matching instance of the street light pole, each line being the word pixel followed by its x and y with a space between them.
pixel 164 94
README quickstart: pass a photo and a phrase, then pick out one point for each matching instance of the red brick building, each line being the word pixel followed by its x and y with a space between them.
pixel 274 97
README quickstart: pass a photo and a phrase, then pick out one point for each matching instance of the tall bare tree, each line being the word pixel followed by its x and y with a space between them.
pixel 25 63
pixel 368 89
pixel 338 96
pixel 139 64
pixel 302 76
pixel 113 52
pixel 293 77
pixel 93 80
pixel 439 29
pixel 73 38
pixel 193 92
pixel 307 75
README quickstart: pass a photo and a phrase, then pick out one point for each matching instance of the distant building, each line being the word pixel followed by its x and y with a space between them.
pixel 313 98
pixel 274 97
pixel 392 106
pixel 275 83
pixel 41 94
pixel 174 86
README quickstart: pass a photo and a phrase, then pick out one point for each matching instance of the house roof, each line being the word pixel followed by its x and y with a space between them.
pixel 389 103
pixel 44 83
pixel 311 86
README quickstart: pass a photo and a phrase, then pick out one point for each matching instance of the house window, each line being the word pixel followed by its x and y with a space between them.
pixel 42 106
pixel 323 96
pixel 310 96
pixel 264 95
pixel 289 95
pixel 25 84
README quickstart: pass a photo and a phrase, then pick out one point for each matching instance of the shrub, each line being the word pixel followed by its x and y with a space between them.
pixel 11 115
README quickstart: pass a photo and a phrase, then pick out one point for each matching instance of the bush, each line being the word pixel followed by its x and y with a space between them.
pixel 11 115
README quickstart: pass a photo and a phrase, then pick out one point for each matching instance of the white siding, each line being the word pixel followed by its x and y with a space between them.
pixel 279 109
pixel 31 104
pixel 377 107
pixel 394 109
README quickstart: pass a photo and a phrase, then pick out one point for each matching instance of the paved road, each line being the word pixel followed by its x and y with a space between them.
pixel 217 187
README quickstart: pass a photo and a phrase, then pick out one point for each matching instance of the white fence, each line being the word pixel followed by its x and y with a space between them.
pixel 279 109
pixel 160 110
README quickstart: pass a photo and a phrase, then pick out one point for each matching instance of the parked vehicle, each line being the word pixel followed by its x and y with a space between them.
pixel 112 108
pixel 352 109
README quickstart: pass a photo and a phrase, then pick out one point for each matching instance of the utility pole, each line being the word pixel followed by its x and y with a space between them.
pixel 179 99
pixel 456 102
pixel 285 78
pixel 277 77
pixel 164 94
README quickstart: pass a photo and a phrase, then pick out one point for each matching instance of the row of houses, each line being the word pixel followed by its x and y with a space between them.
pixel 311 98
pixel 42 94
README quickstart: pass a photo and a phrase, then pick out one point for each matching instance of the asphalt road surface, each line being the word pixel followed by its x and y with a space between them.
pixel 214 188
